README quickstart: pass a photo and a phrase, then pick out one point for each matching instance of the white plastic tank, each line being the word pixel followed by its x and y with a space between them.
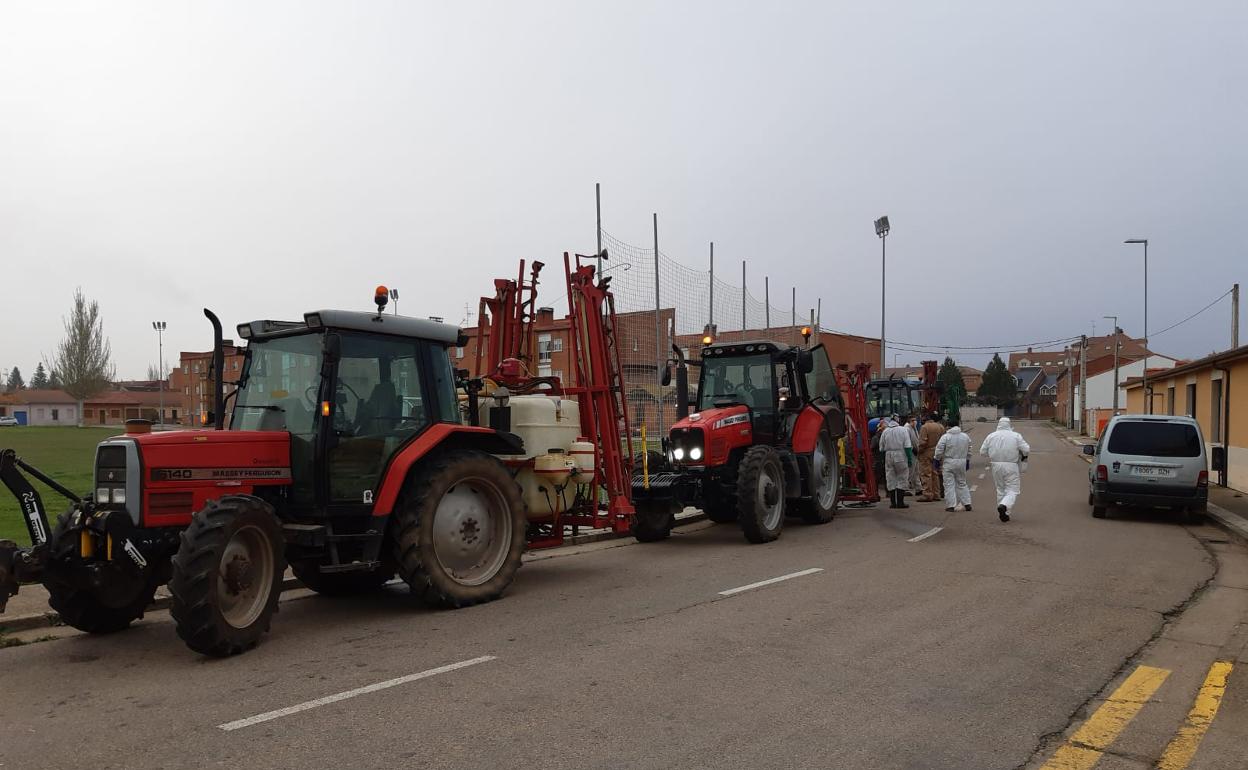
pixel 545 485
pixel 582 453
pixel 543 422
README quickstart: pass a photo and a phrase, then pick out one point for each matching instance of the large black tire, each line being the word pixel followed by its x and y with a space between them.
pixel 825 471
pixel 461 509
pixel 760 494
pixel 88 610
pixel 341 583
pixel 719 507
pixel 652 521
pixel 227 575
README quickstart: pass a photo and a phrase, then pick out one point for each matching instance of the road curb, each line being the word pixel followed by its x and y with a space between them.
pixel 1231 522
pixel 51 619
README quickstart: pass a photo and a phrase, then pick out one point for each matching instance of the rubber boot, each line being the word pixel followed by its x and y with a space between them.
pixel 901 499
pixel 893 494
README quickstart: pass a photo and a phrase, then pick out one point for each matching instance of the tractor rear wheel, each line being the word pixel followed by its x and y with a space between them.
pixel 341 583
pixel 825 473
pixel 459 533
pixel 760 494
pixel 652 521
pixel 91 611
pixel 227 575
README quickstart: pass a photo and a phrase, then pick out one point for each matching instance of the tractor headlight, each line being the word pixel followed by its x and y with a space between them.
pixel 695 453
pixel 101 495
pixel 686 444
pixel 119 495
pixel 679 453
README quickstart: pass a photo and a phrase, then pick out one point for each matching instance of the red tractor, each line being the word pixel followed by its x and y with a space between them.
pixel 354 452
pixel 762 443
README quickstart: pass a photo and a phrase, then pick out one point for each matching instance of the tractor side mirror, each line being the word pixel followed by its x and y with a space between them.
pixel 666 378
pixel 1089 449
pixel 805 362
pixel 332 347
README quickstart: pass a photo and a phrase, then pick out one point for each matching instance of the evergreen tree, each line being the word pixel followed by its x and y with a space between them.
pixel 15 381
pixel 998 388
pixel 40 380
pixel 951 377
pixel 84 358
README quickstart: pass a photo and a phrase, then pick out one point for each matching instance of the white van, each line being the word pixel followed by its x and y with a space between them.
pixel 1149 460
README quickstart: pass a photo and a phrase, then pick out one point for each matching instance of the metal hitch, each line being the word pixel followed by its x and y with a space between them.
pixel 17 564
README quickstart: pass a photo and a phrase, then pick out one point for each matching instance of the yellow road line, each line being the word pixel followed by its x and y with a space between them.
pixel 1084 748
pixel 1183 747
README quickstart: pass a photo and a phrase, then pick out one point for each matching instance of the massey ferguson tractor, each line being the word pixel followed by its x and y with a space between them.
pixel 764 442
pixel 354 451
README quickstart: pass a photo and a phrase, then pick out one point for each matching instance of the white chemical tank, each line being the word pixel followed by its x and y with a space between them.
pixel 543 422
pixel 582 453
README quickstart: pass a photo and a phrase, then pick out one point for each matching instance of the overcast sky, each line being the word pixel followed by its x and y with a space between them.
pixel 264 159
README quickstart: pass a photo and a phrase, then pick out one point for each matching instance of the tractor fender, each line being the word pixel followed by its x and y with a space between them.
pixel 439 437
pixel 806 430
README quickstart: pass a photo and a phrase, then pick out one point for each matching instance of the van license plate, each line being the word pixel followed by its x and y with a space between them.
pixel 1149 470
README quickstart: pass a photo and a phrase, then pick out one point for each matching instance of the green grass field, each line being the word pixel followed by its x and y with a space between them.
pixel 65 454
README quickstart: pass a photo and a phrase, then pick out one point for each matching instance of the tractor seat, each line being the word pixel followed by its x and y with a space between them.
pixel 381 412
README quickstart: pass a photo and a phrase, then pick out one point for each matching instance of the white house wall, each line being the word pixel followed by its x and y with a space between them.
pixel 1101 386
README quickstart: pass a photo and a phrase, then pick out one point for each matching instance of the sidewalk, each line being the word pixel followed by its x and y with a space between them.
pixel 1228 508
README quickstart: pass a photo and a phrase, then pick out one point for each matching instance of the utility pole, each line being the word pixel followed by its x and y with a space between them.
pixel 1235 316
pixel 1070 385
pixel 1117 347
pixel 743 321
pixel 598 208
pixel 710 315
pixel 818 319
pixel 881 230
pixel 794 323
pixel 1083 384
pixel 660 354
pixel 767 303
pixel 160 327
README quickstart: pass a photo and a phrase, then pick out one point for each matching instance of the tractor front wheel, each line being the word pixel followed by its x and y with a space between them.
pixel 98 612
pixel 760 494
pixel 227 575
pixel 459 533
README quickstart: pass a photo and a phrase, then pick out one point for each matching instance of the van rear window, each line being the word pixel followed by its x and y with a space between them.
pixel 1155 439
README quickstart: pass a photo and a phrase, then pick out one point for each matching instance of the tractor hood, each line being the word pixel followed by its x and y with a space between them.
pixel 716 419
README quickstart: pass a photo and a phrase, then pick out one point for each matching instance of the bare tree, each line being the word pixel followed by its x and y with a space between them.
pixel 153 372
pixel 83 360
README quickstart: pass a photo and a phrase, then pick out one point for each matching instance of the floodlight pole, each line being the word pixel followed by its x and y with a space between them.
pixel 159 326
pixel 1117 345
pixel 1148 395
pixel 881 229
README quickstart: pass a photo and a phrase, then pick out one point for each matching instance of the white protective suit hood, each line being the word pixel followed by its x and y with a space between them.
pixel 1004 424
pixel 954 430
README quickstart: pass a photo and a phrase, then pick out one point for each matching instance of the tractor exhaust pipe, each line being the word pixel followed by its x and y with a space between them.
pixel 218 371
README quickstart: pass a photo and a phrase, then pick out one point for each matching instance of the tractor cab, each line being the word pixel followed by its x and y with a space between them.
pixel 770 381
pixel 350 388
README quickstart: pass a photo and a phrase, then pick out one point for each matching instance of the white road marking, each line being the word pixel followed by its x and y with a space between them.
pixel 974 487
pixel 926 534
pixel 762 583
pixel 270 715
pixel 981 476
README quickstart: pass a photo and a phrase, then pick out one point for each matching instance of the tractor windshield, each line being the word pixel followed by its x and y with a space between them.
pixel 740 379
pixel 890 397
pixel 278 389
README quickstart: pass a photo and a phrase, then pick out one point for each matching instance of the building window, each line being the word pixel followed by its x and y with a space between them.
pixel 556 345
pixel 236 364
pixel 115 413
pixel 1191 400
pixel 39 412
pixel 195 368
pixel 543 349
pixel 174 414
pixel 557 373
pixel 185 370
pixel 1215 411
pixel 459 352
pixel 56 414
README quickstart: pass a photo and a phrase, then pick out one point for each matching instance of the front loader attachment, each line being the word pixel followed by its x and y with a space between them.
pixel 18 564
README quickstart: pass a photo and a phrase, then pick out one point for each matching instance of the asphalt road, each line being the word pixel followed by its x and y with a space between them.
pixel 981 646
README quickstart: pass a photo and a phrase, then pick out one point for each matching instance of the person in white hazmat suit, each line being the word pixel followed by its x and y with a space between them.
pixel 1005 450
pixel 898 458
pixel 953 452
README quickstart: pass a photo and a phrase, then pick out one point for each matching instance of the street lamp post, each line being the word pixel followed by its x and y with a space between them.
pixel 881 229
pixel 160 326
pixel 1148 394
pixel 1117 345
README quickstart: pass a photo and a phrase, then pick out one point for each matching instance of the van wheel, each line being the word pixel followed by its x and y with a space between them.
pixel 1098 511
pixel 1194 516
